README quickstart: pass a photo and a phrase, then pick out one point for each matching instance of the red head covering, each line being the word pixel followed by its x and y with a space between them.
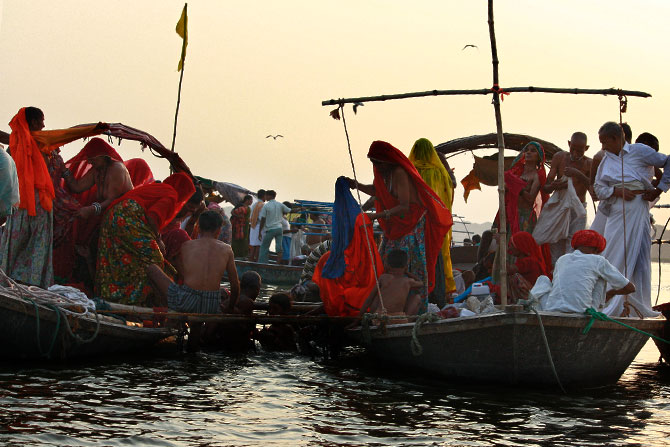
pixel 438 216
pixel 524 242
pixel 162 201
pixel 589 238
pixel 30 166
pixel 140 172
pixel 79 165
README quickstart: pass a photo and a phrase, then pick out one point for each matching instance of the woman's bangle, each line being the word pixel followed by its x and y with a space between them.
pixel 387 214
pixel 98 208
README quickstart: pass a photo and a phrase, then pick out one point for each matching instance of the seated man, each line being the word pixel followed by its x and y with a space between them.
pixel 396 289
pixel 204 262
pixel 279 336
pixel 581 278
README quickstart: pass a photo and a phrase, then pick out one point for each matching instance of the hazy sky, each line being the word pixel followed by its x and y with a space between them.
pixel 263 67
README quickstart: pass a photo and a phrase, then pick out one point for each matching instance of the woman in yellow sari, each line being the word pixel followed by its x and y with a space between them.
pixel 433 171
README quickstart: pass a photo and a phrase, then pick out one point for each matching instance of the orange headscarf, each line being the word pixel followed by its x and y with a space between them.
pixel 30 166
pixel 589 238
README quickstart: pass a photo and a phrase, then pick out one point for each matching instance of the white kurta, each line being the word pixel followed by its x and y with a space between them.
pixel 633 259
pixel 580 281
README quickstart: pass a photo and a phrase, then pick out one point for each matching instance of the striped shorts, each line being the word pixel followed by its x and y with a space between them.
pixel 182 298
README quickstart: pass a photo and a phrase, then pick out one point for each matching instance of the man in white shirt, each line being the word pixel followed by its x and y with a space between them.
pixel 625 192
pixel 270 219
pixel 581 278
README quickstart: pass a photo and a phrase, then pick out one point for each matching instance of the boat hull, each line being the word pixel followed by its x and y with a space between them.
pixel 664 348
pixel 509 348
pixel 281 275
pixel 20 328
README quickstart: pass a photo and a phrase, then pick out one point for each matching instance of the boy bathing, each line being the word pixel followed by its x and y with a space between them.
pixel 396 289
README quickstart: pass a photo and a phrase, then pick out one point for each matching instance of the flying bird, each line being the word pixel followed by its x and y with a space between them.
pixel 356 105
pixel 275 136
pixel 470 46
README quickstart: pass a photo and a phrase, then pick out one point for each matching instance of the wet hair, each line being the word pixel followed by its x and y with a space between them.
pixel 197 196
pixel 627 131
pixel 282 300
pixel 270 194
pixel 476 238
pixel 210 220
pixel 610 129
pixel 241 202
pixel 397 259
pixel 33 113
pixel 287 203
pixel 648 139
pixel 260 194
pixel 579 135
pixel 250 280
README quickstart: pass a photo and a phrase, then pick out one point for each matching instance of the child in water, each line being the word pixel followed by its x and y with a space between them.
pixel 396 290
pixel 279 336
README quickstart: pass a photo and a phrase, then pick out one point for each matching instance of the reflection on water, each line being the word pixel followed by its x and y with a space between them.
pixel 214 399
pixel 283 399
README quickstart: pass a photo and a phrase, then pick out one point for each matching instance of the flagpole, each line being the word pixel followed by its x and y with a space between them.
pixel 176 113
pixel 182 63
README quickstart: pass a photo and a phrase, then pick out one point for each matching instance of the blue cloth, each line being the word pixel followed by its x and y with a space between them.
pixel 465 294
pixel 345 212
pixel 286 247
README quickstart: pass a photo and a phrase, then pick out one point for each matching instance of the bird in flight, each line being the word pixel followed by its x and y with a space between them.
pixel 275 136
pixel 357 105
pixel 470 46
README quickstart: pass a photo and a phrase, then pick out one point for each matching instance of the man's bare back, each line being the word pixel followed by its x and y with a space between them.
pixel 117 182
pixel 205 261
pixel 394 290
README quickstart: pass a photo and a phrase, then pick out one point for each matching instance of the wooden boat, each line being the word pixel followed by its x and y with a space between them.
pixel 664 348
pixel 509 348
pixel 276 274
pixel 34 332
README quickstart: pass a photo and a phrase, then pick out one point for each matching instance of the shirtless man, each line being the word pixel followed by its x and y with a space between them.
pixel 576 166
pixel 110 176
pixel 396 289
pixel 204 262
pixel 573 164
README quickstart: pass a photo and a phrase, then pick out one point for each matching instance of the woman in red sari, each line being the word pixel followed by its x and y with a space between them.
pixel 411 215
pixel 130 238
pixel 530 264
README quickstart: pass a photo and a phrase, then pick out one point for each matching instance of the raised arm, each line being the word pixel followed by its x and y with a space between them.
pixel 367 189
pixel 83 184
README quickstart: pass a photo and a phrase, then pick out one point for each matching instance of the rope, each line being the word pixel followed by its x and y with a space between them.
pixel 429 317
pixel 58 303
pixel 595 315
pixel 531 305
pixel 360 206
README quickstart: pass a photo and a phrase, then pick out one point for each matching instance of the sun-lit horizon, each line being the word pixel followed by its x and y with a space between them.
pixel 263 68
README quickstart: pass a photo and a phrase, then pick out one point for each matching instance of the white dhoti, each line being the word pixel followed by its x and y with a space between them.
pixel 635 261
pixel 599 221
pixel 561 217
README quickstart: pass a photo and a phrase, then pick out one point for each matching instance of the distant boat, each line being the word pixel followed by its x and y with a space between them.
pixel 509 348
pixel 276 274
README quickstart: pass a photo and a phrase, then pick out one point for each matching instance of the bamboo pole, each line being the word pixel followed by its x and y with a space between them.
pixel 501 163
pixel 233 318
pixel 486 91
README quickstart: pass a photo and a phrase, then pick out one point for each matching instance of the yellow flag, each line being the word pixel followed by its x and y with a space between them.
pixel 182 30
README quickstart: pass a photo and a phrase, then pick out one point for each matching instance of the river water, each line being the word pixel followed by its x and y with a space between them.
pixel 272 399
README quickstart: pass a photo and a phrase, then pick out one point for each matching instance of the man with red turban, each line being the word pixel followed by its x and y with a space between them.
pixel 411 215
pixel 581 278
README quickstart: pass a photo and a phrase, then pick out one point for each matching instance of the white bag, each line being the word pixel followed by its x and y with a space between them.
pixel 562 216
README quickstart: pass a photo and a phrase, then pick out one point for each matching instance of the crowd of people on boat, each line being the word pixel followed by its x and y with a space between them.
pixel 108 226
